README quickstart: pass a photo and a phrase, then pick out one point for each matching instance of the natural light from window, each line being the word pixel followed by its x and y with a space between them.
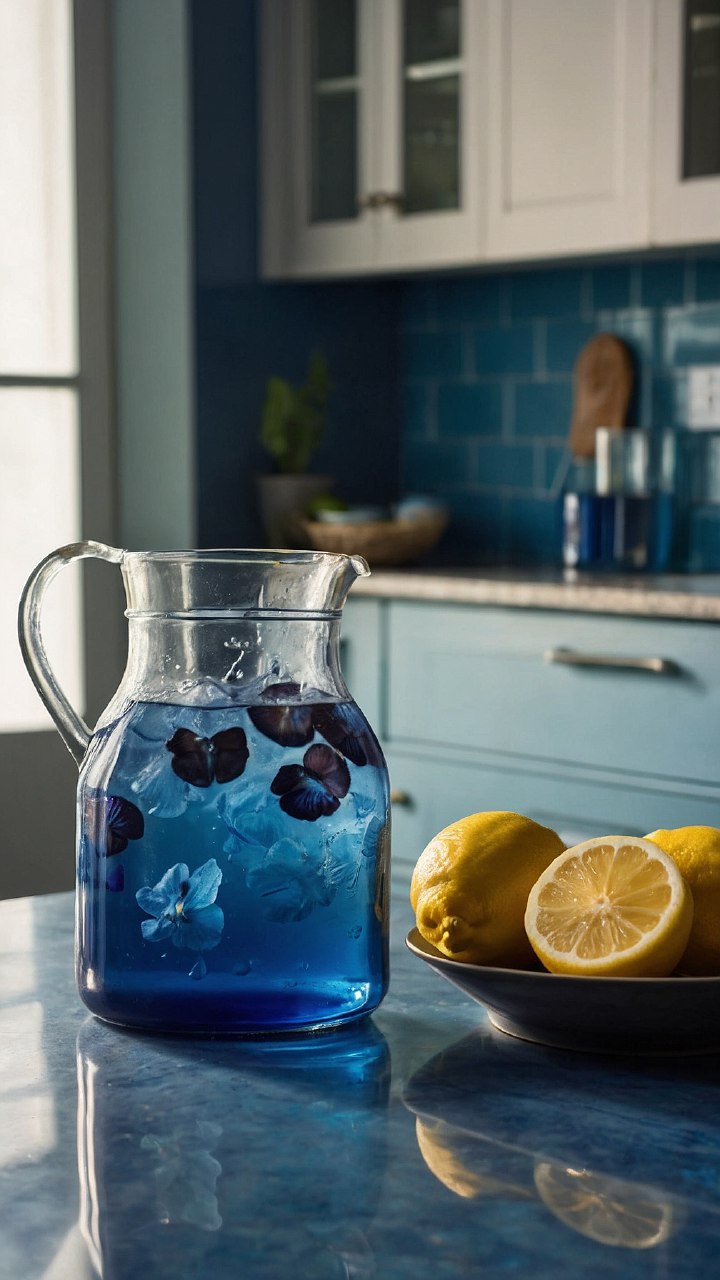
pixel 39 419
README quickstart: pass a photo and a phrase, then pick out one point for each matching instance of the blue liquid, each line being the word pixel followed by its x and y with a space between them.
pixel 303 901
pixel 617 532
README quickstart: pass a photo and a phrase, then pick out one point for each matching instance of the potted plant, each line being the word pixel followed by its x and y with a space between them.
pixel 293 424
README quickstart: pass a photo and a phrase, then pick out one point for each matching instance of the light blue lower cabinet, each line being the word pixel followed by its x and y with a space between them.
pixel 361 657
pixel 633 694
pixel 591 725
pixel 430 790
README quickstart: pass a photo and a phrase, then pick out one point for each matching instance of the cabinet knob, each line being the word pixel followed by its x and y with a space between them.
pixel 382 200
pixel 400 797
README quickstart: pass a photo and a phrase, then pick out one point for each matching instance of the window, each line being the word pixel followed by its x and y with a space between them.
pixel 40 506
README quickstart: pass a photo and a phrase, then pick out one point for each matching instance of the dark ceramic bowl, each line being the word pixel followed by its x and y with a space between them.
pixel 592 1015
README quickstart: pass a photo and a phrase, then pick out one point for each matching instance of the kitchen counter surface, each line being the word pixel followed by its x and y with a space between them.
pixel 691 597
pixel 423 1143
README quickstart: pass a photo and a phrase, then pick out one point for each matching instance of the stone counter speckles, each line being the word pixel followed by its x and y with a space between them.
pixel 421 1144
pixel 693 599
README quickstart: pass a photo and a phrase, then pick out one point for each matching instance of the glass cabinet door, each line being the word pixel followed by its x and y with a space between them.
pixel 686 123
pixel 701 89
pixel 432 87
pixel 335 88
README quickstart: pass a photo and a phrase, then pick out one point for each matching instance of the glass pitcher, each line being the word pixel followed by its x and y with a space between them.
pixel 233 803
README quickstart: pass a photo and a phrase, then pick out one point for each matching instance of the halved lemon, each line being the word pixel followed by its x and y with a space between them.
pixel 616 906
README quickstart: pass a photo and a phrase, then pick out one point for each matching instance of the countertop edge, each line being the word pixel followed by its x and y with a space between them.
pixel 635 597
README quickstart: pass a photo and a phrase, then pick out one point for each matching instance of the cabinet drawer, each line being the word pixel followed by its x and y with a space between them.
pixel 431 793
pixel 481 679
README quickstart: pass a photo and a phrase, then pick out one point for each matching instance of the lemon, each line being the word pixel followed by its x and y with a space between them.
pixel 696 850
pixel 470 886
pixel 610 1210
pixel 615 906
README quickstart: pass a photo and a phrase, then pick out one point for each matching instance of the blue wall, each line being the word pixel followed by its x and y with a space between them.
pixel 486 379
pixel 459 386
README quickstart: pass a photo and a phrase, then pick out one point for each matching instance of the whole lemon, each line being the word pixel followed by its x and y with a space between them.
pixel 471 883
pixel 696 850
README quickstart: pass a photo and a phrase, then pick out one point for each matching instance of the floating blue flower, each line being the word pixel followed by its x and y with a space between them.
pixel 291 882
pixel 315 788
pixel 111 822
pixel 184 907
pixel 251 823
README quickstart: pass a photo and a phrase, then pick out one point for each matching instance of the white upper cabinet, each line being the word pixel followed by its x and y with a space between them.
pixel 372 134
pixel 437 133
pixel 568 126
pixel 686 206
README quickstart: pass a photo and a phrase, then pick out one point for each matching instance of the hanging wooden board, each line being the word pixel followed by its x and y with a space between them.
pixel 603 384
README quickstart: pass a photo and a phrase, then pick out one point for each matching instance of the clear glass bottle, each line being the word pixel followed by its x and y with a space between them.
pixel 233 804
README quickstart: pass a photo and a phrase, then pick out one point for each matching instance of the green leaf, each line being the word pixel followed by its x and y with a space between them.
pixel 293 419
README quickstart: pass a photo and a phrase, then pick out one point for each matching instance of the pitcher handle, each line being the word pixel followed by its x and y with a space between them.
pixel 73 730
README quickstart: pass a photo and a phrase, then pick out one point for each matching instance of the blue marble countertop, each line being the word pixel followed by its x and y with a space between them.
pixel 421 1144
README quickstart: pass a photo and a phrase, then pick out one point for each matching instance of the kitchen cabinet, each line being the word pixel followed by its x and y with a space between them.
pixel 401 134
pixel 372 129
pixel 567 126
pixel 591 725
pixel 409 133
pixel 686 158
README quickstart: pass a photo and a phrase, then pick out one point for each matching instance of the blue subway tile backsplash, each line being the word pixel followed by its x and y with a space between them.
pixel 486 363
pixel 508 349
pixel 469 408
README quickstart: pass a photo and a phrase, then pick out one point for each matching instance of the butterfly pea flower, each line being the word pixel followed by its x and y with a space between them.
pixel 145 758
pixel 183 907
pixel 315 788
pixel 294 724
pixel 201 761
pixel 287 724
pixel 111 822
pixel 346 729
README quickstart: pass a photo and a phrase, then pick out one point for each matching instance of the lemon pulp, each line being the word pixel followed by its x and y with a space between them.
pixel 615 906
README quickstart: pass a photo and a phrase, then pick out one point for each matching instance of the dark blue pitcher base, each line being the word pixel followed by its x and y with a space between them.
pixel 221 1012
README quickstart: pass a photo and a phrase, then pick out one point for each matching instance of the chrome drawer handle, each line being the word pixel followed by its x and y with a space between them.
pixel 654 666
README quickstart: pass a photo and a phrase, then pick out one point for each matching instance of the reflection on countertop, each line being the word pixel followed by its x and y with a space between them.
pixel 692 597
pixel 421 1142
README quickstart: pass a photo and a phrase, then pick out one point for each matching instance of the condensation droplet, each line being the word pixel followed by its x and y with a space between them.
pixel 355 933
pixel 242 967
pixel 198 970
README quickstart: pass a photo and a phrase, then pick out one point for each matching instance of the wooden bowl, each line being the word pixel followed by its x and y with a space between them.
pixel 381 542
